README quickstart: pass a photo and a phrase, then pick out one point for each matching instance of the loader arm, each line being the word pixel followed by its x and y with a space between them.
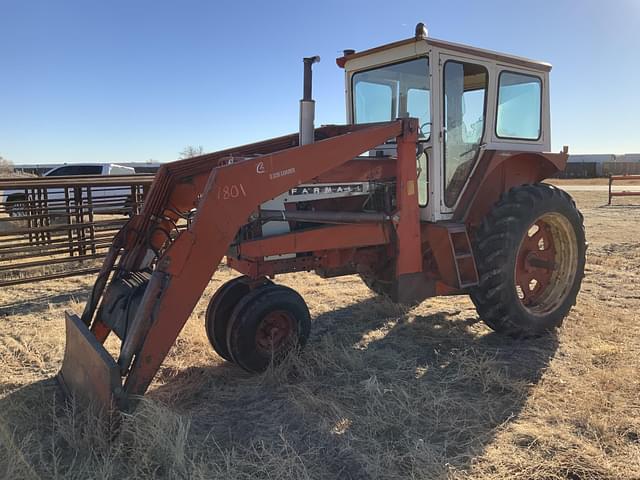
pixel 223 196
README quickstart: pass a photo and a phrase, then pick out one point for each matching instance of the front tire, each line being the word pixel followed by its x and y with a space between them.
pixel 266 326
pixel 530 252
pixel 219 312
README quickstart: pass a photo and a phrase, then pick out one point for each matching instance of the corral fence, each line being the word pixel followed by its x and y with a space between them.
pixel 623 193
pixel 56 227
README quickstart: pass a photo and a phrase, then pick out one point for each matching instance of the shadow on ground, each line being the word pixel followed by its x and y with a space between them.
pixel 41 304
pixel 378 393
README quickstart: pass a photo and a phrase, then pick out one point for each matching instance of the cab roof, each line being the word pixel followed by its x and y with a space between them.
pixel 457 47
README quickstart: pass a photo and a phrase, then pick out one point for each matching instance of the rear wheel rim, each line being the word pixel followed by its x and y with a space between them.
pixel 275 332
pixel 546 264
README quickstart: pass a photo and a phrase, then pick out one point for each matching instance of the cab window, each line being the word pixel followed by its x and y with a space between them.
pixel 519 106
pixel 393 91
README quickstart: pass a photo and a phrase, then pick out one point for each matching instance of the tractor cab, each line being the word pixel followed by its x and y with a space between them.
pixel 468 102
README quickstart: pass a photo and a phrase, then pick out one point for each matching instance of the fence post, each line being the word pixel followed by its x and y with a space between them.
pixel 67 204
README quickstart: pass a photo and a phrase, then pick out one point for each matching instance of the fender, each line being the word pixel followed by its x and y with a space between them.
pixel 497 172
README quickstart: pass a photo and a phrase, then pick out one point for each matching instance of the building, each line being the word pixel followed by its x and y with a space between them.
pixel 601 165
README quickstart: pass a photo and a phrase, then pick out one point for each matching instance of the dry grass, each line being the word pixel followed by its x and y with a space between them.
pixel 380 392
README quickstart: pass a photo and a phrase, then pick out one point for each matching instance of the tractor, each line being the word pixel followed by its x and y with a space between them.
pixel 433 187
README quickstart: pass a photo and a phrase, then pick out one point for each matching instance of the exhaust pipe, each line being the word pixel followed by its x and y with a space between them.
pixel 307 105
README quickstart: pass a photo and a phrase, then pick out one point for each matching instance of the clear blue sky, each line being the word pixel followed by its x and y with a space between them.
pixel 120 81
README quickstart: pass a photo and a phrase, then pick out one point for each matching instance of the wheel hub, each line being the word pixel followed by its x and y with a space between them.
pixel 535 262
pixel 545 263
pixel 275 331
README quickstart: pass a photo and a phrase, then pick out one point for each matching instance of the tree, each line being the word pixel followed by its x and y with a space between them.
pixel 6 166
pixel 191 151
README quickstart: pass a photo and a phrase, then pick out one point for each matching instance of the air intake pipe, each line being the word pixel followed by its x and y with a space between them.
pixel 307 105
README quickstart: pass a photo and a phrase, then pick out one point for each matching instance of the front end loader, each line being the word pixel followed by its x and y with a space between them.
pixel 432 188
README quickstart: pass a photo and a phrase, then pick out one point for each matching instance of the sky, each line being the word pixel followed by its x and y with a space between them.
pixel 138 80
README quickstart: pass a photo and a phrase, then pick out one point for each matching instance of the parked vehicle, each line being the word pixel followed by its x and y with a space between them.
pixel 89 169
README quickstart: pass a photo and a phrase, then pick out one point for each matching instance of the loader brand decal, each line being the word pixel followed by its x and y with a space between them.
pixel 327 189
pixel 282 173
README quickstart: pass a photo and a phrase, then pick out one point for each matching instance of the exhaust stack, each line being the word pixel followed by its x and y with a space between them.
pixel 307 104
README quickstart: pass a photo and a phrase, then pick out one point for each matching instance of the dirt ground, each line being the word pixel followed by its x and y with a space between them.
pixel 380 392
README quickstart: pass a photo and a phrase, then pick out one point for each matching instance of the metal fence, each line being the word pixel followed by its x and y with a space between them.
pixel 623 193
pixel 57 227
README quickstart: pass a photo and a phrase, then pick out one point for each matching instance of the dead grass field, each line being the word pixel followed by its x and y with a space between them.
pixel 379 392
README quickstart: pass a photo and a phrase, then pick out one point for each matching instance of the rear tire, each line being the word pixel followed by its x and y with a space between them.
pixel 380 279
pixel 376 285
pixel 530 252
pixel 266 326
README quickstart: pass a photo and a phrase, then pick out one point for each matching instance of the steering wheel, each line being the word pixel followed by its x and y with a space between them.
pixel 421 129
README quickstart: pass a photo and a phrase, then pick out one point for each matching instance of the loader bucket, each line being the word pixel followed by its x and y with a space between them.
pixel 89 373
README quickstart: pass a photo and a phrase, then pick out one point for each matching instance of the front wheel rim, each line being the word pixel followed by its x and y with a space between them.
pixel 546 264
pixel 275 332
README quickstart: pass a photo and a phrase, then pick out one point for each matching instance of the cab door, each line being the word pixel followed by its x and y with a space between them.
pixel 415 100
pixel 419 105
pixel 463 101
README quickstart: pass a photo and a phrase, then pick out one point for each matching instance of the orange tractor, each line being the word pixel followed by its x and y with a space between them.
pixel 432 188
